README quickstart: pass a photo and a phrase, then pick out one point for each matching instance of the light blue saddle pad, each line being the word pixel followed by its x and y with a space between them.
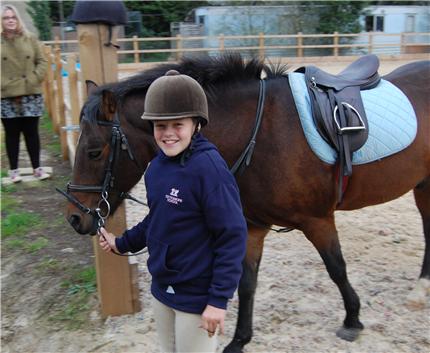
pixel 391 119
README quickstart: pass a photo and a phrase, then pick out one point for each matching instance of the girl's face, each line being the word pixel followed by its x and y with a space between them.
pixel 9 21
pixel 174 136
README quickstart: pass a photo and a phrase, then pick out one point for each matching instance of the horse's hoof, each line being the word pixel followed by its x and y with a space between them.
pixel 233 347
pixel 417 298
pixel 348 334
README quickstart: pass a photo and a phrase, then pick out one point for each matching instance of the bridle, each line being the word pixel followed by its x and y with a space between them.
pixel 118 143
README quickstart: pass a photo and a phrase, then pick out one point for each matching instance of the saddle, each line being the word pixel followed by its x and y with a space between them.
pixel 337 108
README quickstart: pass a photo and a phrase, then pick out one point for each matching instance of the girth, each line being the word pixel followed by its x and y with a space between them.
pixel 337 107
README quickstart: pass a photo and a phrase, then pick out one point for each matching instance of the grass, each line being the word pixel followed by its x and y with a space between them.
pixel 71 299
pixel 30 247
pixel 16 243
pixel 48 264
pixel 8 203
pixel 73 314
pixel 60 181
pixel 16 224
pixel 36 245
pixel 54 145
pixel 8 189
pixel 19 223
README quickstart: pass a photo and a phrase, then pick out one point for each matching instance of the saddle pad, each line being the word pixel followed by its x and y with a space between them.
pixel 391 118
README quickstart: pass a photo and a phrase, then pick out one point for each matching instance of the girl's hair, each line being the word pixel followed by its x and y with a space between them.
pixel 20 28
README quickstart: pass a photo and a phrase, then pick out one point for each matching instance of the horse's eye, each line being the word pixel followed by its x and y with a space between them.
pixel 94 153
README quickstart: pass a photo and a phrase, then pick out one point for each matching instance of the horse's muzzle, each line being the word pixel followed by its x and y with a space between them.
pixel 83 225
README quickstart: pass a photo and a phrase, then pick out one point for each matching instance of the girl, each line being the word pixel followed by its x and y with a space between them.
pixel 195 230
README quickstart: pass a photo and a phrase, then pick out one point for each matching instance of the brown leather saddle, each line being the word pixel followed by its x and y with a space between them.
pixel 337 108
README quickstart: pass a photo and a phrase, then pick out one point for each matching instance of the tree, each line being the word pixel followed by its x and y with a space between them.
pixel 327 17
pixel 157 15
pixel 40 13
pixel 336 16
pixel 61 8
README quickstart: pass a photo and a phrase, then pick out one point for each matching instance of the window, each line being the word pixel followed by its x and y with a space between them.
pixel 410 23
pixel 374 23
pixel 202 20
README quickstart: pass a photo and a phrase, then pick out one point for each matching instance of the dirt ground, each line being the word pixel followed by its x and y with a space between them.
pixel 297 307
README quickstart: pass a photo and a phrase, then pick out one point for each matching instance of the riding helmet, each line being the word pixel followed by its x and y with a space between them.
pixel 175 96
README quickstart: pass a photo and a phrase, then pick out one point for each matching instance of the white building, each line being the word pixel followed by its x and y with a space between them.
pixel 382 28
pixel 393 24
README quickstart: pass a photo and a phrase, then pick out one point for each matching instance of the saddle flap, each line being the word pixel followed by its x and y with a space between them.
pixel 339 114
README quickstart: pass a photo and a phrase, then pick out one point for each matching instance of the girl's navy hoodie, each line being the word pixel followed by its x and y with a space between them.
pixel 195 230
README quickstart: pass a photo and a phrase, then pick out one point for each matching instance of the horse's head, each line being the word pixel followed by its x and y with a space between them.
pixel 112 154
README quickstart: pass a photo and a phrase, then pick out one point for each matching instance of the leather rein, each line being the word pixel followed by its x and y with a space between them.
pixel 119 142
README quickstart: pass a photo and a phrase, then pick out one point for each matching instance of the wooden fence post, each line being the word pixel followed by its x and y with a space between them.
pixel 61 122
pixel 52 77
pixel 221 42
pixel 178 46
pixel 136 48
pixel 49 81
pixel 261 51
pixel 336 44
pixel 116 278
pixel 82 86
pixel 45 84
pixel 370 46
pixel 402 43
pixel 73 93
pixel 52 73
pixel 300 45
pixel 57 44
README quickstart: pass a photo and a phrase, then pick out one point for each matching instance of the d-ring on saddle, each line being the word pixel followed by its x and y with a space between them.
pixel 337 108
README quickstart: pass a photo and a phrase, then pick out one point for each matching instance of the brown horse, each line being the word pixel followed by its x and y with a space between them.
pixel 285 184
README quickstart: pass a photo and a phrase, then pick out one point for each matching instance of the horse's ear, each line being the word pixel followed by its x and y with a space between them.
pixel 109 104
pixel 91 87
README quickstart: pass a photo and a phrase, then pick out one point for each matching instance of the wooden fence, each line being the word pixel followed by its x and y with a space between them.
pixel 64 97
pixel 296 45
pixel 65 92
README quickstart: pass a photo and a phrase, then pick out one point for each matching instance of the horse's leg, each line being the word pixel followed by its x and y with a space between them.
pixel 247 287
pixel 417 298
pixel 323 235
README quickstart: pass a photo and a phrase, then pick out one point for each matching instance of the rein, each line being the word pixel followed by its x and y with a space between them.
pixel 245 158
pixel 120 143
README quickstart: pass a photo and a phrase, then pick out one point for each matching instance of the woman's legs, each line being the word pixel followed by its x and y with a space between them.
pixel 180 332
pixel 12 132
pixel 30 129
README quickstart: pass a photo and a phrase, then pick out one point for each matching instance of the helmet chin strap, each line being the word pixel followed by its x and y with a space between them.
pixel 198 128
pixel 187 152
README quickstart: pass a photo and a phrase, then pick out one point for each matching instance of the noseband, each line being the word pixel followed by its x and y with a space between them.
pixel 118 143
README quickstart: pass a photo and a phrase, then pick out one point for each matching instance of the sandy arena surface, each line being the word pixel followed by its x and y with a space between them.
pixel 297 307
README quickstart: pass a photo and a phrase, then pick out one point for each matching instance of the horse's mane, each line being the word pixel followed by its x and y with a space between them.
pixel 208 71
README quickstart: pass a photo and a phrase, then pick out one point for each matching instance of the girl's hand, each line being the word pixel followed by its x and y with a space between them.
pixel 107 241
pixel 211 318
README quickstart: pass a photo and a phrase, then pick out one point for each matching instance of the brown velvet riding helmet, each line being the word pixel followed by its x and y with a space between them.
pixel 175 96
